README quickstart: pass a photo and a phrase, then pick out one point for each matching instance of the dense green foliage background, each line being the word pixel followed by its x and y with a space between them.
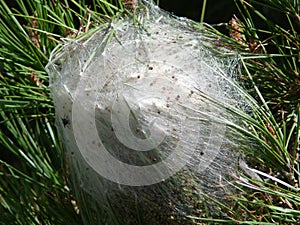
pixel 34 182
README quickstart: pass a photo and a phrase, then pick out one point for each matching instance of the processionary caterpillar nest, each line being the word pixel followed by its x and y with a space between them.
pixel 145 97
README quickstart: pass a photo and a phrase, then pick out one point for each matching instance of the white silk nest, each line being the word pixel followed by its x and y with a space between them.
pixel 142 107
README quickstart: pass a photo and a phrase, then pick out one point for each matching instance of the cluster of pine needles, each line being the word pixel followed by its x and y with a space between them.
pixel 34 182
